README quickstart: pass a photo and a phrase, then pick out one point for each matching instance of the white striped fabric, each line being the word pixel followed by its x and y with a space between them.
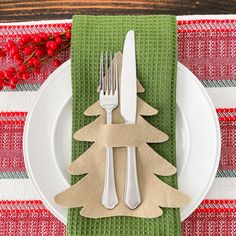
pixel 222 188
pixel 208 17
pixel 223 97
pixel 16 101
pixel 38 22
pixel 17 189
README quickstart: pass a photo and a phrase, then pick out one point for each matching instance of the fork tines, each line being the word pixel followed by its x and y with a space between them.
pixel 108 73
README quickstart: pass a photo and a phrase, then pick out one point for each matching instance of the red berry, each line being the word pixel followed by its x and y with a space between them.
pixel 14 80
pixel 25 76
pixel 53 45
pixel 68 35
pixel 48 44
pixel 6 83
pixel 44 36
pixel 2 53
pixel 36 70
pixel 56 63
pixel 8 74
pixel 39 52
pixel 51 52
pixel 37 62
pixel 38 39
pixel 14 50
pixel 27 50
pixel 2 76
pixel 18 74
pixel 58 41
pixel 16 56
pixel 19 61
pixel 6 47
pixel 12 85
pixel 21 43
pixel 12 70
pixel 1 87
pixel 10 44
pixel 1 83
pixel 32 47
pixel 22 68
pixel 26 38
pixel 31 61
pixel 68 27
pixel 56 35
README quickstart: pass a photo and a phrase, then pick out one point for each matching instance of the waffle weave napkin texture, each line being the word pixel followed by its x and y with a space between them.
pixel 156 57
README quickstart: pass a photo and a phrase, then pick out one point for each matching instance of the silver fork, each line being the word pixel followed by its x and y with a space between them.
pixel 109 100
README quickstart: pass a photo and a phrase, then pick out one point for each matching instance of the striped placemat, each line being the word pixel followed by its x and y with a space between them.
pixel 207 46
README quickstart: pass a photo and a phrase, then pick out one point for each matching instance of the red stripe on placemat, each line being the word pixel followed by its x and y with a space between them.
pixel 15 202
pixel 205 30
pixel 45 25
pixel 204 25
pixel 32 218
pixel 226 110
pixel 11 137
pixel 216 210
pixel 209 224
pixel 30 223
pixel 209 55
pixel 13 114
pixel 28 218
pixel 206 21
pixel 22 206
pixel 217 205
pixel 218 201
pixel 214 217
pixel 227 119
pixel 232 118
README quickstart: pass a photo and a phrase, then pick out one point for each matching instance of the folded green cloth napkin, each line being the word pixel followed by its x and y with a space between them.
pixel 156 51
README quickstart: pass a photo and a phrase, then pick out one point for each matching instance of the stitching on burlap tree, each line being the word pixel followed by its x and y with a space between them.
pixel 87 192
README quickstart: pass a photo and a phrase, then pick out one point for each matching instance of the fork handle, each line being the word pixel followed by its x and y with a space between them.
pixel 109 197
pixel 132 196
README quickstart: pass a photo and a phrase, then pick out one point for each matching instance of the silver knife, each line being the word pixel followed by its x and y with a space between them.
pixel 128 106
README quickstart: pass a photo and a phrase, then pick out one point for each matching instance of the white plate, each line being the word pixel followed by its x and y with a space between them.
pixel 47 139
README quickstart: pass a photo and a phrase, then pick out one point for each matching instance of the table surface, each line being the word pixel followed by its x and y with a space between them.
pixel 26 10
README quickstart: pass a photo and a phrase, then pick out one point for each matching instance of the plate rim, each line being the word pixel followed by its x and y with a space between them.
pixel 218 137
pixel 51 78
pixel 46 83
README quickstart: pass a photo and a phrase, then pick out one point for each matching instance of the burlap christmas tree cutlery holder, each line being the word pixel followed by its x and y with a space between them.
pixel 87 193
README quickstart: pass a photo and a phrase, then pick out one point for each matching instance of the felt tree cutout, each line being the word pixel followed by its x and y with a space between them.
pixel 87 193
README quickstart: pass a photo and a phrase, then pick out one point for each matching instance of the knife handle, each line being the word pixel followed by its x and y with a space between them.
pixel 132 196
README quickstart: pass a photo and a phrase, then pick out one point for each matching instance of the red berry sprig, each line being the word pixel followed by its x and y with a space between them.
pixel 30 53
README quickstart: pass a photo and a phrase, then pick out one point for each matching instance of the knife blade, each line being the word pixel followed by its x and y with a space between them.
pixel 128 80
pixel 128 107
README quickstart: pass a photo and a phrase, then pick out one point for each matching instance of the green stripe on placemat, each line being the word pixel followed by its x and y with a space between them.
pixel 226 173
pixel 13 175
pixel 218 83
pixel 23 87
pixel 156 51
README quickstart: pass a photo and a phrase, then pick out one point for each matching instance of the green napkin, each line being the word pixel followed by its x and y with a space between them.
pixel 156 69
